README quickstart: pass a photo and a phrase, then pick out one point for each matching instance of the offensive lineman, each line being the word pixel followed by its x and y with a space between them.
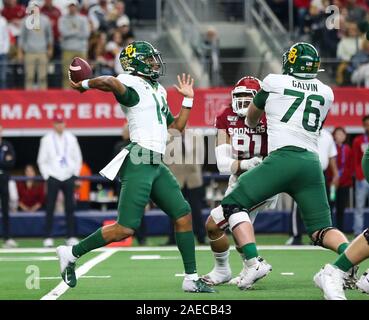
pixel 296 105
pixel 239 148
pixel 331 277
pixel 142 173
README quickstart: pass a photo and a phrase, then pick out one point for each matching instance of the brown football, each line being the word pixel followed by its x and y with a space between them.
pixel 79 70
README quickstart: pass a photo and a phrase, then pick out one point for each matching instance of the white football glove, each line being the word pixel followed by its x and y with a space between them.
pixel 246 165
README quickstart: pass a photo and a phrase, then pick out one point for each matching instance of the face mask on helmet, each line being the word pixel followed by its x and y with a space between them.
pixel 157 65
pixel 241 99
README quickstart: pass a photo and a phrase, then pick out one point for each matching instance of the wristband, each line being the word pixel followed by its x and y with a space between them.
pixel 84 84
pixel 187 102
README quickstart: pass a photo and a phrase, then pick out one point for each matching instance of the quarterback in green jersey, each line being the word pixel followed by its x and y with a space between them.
pixel 142 173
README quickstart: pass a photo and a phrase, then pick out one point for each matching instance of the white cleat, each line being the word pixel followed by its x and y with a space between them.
pixel 10 243
pixel 217 276
pixel 363 283
pixel 67 265
pixel 236 280
pixel 255 269
pixel 48 242
pixel 330 280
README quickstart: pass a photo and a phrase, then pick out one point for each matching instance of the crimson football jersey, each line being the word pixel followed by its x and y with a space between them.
pixel 246 142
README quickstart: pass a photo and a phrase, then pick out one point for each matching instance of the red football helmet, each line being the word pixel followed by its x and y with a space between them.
pixel 243 93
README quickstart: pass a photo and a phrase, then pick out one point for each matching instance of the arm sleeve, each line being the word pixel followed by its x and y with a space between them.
pixel 260 99
pixel 170 118
pixel 129 99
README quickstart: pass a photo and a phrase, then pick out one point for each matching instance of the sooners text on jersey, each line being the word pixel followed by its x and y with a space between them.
pixel 246 142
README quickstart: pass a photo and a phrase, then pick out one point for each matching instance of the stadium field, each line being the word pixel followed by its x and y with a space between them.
pixel 156 273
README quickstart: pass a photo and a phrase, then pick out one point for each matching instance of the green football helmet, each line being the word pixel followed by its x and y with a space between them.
pixel 302 60
pixel 141 58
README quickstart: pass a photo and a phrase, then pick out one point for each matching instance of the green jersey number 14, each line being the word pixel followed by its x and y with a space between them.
pixel 309 109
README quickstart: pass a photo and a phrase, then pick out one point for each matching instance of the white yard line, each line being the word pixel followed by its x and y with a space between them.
pixel 25 259
pixel 159 249
pixel 62 287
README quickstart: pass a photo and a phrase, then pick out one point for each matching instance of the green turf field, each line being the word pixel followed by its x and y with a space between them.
pixel 157 273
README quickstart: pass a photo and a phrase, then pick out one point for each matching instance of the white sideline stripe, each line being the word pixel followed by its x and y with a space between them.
pixel 287 273
pixel 62 287
pixel 84 277
pixel 25 259
pixel 152 257
pixel 160 249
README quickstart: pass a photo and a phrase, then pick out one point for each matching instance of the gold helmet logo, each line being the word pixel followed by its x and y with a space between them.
pixel 130 51
pixel 292 55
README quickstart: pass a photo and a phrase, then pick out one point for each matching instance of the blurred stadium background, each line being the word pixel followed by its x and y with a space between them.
pixel 217 41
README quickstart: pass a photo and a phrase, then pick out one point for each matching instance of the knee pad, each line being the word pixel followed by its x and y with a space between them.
pixel 235 215
pixel 320 236
pixel 366 235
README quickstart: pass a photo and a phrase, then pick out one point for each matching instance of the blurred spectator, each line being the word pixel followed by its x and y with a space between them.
pixel 123 27
pixel 14 13
pixel 360 66
pixel 4 49
pixel 348 46
pixel 189 175
pixel 210 52
pixel 302 9
pixel 280 9
pixel 35 49
pixel 356 12
pixel 7 161
pixel 59 160
pixel 359 146
pixel 53 13
pixel 31 192
pixel 74 31
pixel 99 15
pixel 113 49
pixel 345 170
pixel 116 13
pixel 98 53
pixel 83 188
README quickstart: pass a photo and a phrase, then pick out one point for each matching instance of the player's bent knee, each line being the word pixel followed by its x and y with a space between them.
pixel 212 229
pixel 318 236
pixel 120 232
pixel 235 215
pixel 184 223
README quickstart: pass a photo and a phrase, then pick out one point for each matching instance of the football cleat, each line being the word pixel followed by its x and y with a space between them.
pixel 254 271
pixel 10 243
pixel 363 282
pixel 48 243
pixel 67 265
pixel 196 286
pixel 217 276
pixel 350 278
pixel 330 280
pixel 236 280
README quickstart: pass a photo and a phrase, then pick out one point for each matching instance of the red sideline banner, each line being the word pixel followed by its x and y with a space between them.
pixel 30 110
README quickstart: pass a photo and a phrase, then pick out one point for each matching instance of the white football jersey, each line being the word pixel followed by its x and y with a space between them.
pixel 295 111
pixel 147 120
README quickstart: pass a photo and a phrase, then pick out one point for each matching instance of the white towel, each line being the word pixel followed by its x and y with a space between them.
pixel 111 170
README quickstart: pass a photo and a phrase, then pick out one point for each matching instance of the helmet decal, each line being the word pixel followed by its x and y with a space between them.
pixel 292 55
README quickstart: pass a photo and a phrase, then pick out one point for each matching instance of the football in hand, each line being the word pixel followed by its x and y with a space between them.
pixel 79 70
